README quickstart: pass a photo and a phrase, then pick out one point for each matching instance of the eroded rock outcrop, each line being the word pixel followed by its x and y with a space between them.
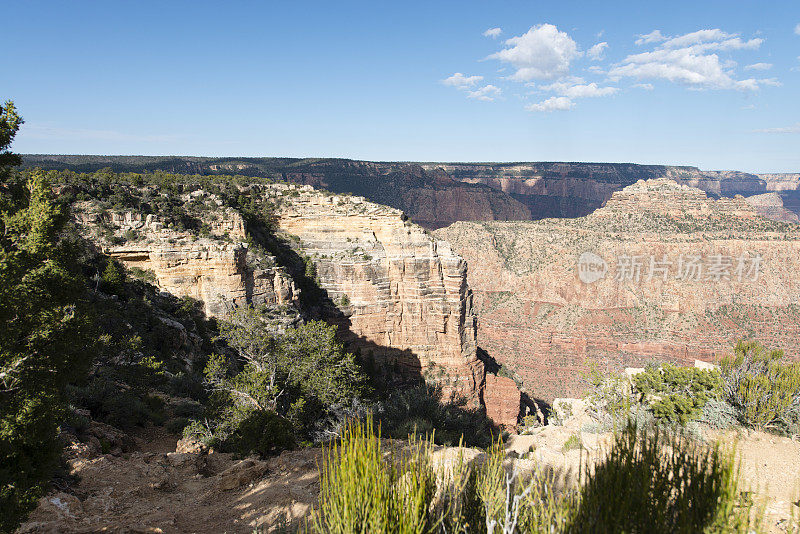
pixel 770 205
pixel 399 296
pixel 403 295
pixel 720 272
pixel 216 268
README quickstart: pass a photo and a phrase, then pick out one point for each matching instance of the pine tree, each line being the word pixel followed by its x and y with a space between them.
pixel 44 340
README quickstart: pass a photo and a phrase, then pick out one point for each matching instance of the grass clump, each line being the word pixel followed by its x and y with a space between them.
pixel 650 481
pixel 764 390
pixel 364 491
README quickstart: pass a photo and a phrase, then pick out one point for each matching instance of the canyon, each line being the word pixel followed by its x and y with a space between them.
pixel 436 194
pixel 399 297
pixel 670 275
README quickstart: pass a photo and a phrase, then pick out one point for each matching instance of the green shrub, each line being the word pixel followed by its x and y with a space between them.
pixel 421 409
pixel 573 443
pixel 657 482
pixel 113 278
pixel 146 275
pixel 260 432
pixel 650 482
pixel 764 390
pixel 363 490
pixel 677 394
pixel 176 425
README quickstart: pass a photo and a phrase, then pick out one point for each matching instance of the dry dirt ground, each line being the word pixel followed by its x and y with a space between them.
pixel 152 488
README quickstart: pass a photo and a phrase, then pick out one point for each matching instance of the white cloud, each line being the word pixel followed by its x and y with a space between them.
pixel 652 37
pixel 595 69
pixel 555 103
pixel 645 86
pixel 579 90
pixel 494 33
pixel 542 53
pixel 486 93
pixel 460 81
pixel 797 29
pixel 596 52
pixel 687 59
pixel 782 130
pixel 705 40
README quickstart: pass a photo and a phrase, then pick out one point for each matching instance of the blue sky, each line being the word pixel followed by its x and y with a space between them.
pixel 717 86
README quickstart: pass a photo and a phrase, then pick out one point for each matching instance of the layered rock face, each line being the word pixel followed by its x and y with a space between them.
pixel 438 194
pixel 399 296
pixel 577 189
pixel 661 273
pixel 403 295
pixel 217 269
pixel 431 197
pixel 770 205
pixel 786 186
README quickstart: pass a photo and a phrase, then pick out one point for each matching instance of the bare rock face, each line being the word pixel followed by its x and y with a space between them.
pixel 216 268
pixel 563 189
pixel 770 205
pixel 403 295
pixel 400 296
pixel 668 275
pixel 502 398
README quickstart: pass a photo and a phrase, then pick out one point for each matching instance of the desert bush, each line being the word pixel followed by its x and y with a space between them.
pixel 608 397
pixel 649 482
pixel 573 443
pixel 421 409
pixel 677 394
pixel 717 413
pixel 361 490
pixel 764 390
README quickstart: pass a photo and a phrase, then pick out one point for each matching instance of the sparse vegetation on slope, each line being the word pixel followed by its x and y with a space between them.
pixel 649 482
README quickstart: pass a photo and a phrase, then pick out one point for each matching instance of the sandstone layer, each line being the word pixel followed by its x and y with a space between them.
pixel 403 295
pixel 217 269
pixel 437 194
pixel 678 283
pixel 399 296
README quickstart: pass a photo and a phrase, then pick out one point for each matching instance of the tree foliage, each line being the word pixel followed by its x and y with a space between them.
pixel 291 380
pixel 44 330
